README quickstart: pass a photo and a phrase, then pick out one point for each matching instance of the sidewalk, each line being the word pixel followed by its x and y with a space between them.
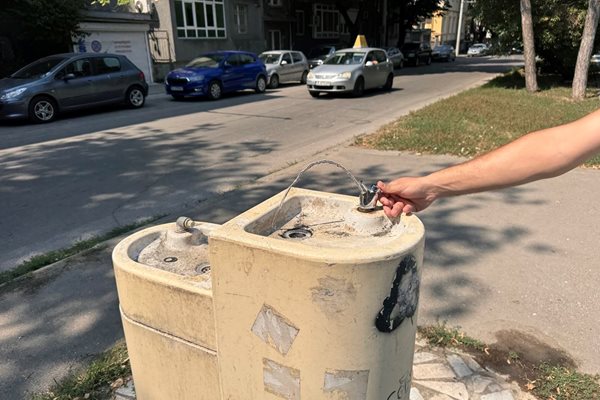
pixel 516 267
pixel 438 374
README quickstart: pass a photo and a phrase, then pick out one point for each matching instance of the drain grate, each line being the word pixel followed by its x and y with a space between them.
pixel 297 233
pixel 203 268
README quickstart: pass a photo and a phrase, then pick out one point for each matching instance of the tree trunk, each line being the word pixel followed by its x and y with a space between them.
pixel 528 46
pixel 585 50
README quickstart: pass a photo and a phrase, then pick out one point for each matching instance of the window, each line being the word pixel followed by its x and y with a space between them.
pixel 105 65
pixel 297 57
pixel 326 21
pixel 380 56
pixel 287 58
pixel 299 22
pixel 275 3
pixel 79 68
pixel 202 19
pixel 241 18
pixel 274 38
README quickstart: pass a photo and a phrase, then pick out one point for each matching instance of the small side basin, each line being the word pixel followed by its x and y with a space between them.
pixel 164 282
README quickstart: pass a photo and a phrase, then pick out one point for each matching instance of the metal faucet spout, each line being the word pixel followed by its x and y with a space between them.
pixel 368 198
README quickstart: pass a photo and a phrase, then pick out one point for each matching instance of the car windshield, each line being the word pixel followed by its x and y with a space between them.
pixel 270 58
pixel 206 61
pixel 440 48
pixel 346 58
pixel 38 69
pixel 319 52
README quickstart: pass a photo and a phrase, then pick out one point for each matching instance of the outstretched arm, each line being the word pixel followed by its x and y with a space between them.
pixel 537 155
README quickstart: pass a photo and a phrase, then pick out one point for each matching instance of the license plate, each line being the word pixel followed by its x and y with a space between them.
pixel 323 83
pixel 176 89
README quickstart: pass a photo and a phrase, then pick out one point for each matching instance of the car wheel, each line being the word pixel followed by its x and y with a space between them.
pixel 303 79
pixel 215 91
pixel 274 82
pixel 389 82
pixel 359 87
pixel 135 97
pixel 313 93
pixel 261 84
pixel 42 109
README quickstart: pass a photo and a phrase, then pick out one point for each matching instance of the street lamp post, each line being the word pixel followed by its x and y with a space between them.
pixel 460 17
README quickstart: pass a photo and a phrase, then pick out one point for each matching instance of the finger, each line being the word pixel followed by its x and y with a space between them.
pixel 409 209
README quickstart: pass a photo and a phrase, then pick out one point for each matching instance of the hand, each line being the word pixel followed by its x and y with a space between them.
pixel 405 195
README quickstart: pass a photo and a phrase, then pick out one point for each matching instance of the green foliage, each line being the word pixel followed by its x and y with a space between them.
pixel 37 28
pixel 557 24
pixel 482 119
pixel 443 336
pixel 560 383
pixel 95 381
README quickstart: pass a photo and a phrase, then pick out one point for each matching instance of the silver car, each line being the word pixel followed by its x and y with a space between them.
pixel 352 70
pixel 70 81
pixel 285 66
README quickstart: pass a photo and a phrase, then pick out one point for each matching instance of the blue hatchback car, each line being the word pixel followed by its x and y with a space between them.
pixel 212 74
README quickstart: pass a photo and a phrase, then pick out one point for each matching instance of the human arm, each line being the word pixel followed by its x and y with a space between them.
pixel 537 155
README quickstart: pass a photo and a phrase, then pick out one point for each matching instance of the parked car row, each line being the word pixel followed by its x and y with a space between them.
pixel 62 82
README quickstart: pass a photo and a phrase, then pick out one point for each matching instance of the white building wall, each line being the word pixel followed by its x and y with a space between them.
pixel 130 40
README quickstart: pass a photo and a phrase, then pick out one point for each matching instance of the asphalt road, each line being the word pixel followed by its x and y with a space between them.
pixel 90 172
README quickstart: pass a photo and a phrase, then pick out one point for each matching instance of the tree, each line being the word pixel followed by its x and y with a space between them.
pixel 408 13
pixel 37 28
pixel 528 46
pixel 585 50
pixel 404 12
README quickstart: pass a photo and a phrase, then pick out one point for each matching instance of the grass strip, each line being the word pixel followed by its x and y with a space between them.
pixel 39 261
pixel 443 336
pixel 545 380
pixel 560 383
pixel 481 119
pixel 95 382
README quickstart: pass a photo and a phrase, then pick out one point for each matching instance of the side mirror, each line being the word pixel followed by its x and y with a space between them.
pixel 369 63
pixel 284 62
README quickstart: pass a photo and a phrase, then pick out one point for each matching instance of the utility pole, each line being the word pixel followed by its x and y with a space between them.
pixel 458 31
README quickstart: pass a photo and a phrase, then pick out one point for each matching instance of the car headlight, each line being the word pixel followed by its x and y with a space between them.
pixel 310 75
pixel 11 94
pixel 196 78
pixel 344 75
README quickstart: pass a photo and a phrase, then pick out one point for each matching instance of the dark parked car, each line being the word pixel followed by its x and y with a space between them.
pixel 213 74
pixel 417 53
pixel 64 82
pixel 443 52
pixel 317 55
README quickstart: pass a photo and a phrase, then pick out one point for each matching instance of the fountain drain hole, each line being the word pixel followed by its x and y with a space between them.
pixel 203 268
pixel 298 233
